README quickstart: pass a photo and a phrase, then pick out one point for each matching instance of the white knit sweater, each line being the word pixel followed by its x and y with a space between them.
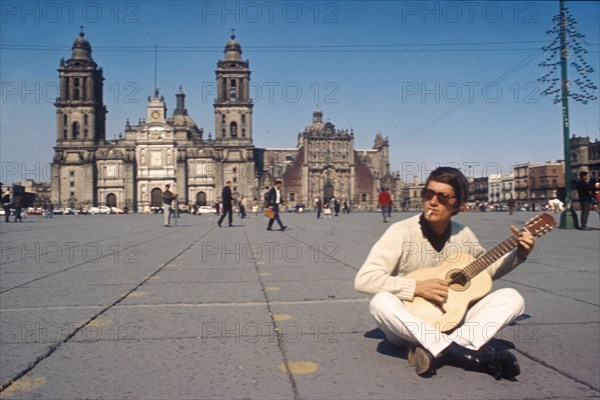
pixel 403 248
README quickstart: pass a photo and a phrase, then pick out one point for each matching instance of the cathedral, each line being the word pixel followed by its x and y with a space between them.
pixel 132 171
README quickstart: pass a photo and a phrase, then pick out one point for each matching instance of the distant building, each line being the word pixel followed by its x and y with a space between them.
pixel 500 188
pixel 88 170
pixel 546 181
pixel 412 199
pixel 480 189
pixel 539 182
pixel 325 164
pixel 41 190
pixel 585 156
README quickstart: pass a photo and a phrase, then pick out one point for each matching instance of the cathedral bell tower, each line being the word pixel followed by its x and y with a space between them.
pixel 233 123
pixel 233 106
pixel 80 128
pixel 80 113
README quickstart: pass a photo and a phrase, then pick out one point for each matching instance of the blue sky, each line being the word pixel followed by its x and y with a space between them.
pixel 449 83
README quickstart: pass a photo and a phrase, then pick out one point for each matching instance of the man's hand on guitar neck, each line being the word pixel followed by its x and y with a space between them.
pixel 526 242
pixel 435 290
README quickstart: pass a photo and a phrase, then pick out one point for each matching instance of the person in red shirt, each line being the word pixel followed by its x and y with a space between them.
pixel 384 203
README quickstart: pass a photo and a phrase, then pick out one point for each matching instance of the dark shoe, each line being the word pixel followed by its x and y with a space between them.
pixel 230 225
pixel 501 364
pixel 283 228
pixel 421 359
pixel 269 229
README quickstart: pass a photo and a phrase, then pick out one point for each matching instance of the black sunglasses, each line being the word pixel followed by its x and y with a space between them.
pixel 443 198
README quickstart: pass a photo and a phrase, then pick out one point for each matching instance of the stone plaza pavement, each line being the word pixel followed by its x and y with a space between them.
pixel 120 307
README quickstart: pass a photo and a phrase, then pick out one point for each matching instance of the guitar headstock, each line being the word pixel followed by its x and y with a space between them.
pixel 540 224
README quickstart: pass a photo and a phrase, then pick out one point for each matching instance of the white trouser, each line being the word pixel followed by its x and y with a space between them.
pixel 482 321
pixel 167 212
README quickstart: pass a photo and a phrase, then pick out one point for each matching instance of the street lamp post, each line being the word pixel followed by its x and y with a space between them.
pixel 568 218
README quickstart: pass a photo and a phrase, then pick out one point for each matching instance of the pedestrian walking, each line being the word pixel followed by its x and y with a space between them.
pixel 275 199
pixel 6 205
pixel 585 192
pixel 168 198
pixel 243 205
pixel 511 205
pixel 18 202
pixel 255 207
pixel 50 210
pixel 336 206
pixel 227 199
pixel 318 206
pixel 384 202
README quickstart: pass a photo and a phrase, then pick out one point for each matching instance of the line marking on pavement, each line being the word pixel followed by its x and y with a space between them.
pixel 137 293
pixel 281 317
pixel 97 323
pixel 299 367
pixel 25 384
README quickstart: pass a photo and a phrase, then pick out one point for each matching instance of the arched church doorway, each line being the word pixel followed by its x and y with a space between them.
pixel 201 199
pixel 327 193
pixel 156 198
pixel 111 200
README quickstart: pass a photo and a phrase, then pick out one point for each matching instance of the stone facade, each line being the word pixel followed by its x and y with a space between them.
pixel 88 170
pixel 325 164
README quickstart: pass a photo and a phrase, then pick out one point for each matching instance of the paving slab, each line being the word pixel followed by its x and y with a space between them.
pixel 201 312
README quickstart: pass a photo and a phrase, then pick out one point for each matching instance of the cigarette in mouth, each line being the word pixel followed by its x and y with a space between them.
pixel 428 214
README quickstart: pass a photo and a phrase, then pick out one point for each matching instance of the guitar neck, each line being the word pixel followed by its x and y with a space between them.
pixel 489 258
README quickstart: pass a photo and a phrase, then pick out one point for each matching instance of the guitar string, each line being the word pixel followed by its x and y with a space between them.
pixel 497 252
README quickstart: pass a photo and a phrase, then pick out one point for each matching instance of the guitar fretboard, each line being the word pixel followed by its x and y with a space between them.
pixel 486 260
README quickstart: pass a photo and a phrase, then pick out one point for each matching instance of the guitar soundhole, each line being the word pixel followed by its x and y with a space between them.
pixel 459 280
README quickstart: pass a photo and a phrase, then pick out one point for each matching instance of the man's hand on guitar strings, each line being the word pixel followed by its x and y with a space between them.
pixel 526 242
pixel 433 289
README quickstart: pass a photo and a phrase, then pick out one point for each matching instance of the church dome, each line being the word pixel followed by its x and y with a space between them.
pixel 82 50
pixel 233 50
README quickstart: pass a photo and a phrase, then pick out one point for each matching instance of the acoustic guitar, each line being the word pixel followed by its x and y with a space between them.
pixel 468 284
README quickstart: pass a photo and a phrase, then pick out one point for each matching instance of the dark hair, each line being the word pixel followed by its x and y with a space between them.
pixel 277 182
pixel 456 179
pixel 582 174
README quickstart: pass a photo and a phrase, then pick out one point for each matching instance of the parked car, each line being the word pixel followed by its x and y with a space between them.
pixel 116 210
pixel 35 211
pixel 58 211
pixel 100 210
pixel 206 210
